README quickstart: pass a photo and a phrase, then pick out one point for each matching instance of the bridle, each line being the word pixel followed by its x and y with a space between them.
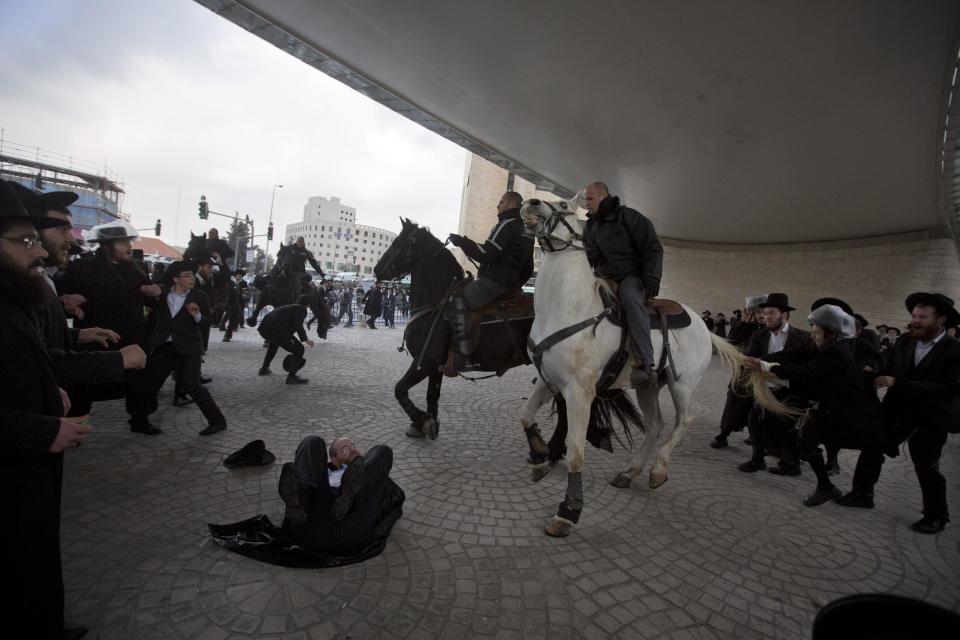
pixel 545 238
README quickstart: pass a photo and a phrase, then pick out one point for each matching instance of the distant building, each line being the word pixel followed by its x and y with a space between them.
pixel 100 194
pixel 330 231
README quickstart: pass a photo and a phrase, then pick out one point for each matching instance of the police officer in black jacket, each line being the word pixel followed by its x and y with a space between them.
pixel 298 257
pixel 278 328
pixel 922 404
pixel 506 263
pixel 622 245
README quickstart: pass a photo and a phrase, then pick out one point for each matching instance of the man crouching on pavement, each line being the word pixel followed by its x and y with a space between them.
pixel 334 495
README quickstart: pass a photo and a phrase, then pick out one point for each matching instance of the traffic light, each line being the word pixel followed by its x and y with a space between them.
pixel 270 231
pixel 204 210
pixel 156 229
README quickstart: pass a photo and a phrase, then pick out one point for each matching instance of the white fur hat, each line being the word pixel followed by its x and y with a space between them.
pixel 832 317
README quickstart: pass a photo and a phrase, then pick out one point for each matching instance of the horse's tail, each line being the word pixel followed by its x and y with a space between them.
pixel 755 381
pixel 605 410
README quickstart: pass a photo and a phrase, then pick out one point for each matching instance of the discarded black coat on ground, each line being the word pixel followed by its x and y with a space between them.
pixel 31 595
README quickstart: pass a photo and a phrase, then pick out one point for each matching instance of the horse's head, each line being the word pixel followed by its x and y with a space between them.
pixel 399 258
pixel 554 224
pixel 196 246
pixel 282 264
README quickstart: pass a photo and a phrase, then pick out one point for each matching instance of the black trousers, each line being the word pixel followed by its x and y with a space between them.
pixel 346 308
pixel 292 345
pixel 135 385
pixel 824 429
pixel 926 447
pixel 736 412
pixel 321 533
pixel 160 365
pixel 769 431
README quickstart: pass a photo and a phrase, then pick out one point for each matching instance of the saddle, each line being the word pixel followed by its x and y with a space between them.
pixel 512 306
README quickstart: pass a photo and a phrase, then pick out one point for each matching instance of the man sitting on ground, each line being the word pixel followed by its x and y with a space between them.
pixel 334 495
pixel 277 328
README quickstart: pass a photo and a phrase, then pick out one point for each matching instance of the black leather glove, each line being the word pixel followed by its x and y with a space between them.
pixel 651 287
pixel 455 239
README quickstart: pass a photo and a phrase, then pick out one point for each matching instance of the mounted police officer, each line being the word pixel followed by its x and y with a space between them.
pixel 622 245
pixel 506 262
pixel 298 257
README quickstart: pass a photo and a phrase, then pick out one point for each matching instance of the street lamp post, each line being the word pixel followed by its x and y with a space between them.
pixel 266 257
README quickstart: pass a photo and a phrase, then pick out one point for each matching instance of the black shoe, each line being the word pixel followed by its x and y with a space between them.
pixel 322 334
pixel 833 467
pixel 182 400
pixel 855 499
pixel 752 466
pixel 146 429
pixel 75 633
pixel 820 496
pixel 205 380
pixel 213 428
pixel 785 469
pixel 264 371
pixel 748 441
pixel 350 485
pixel 640 377
pixel 720 442
pixel 929 525
pixel 295 379
pixel 226 338
pixel 287 488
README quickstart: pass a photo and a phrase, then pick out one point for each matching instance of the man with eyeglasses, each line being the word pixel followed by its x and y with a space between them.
pixel 33 436
pixel 338 500
pixel 176 344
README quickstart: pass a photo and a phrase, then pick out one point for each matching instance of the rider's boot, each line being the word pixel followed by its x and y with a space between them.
pixel 641 376
pixel 462 342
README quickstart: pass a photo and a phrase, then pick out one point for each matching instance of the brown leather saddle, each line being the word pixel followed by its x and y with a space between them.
pixel 661 310
pixel 512 306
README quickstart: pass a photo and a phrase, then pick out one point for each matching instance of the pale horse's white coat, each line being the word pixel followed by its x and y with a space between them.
pixel 567 292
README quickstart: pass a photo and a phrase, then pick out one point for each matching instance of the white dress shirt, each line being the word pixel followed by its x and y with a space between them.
pixel 923 348
pixel 778 340
pixel 175 302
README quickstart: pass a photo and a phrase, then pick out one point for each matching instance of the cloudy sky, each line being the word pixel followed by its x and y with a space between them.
pixel 179 102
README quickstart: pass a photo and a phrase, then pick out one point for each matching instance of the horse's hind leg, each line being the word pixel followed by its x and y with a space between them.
pixel 419 423
pixel 578 415
pixel 431 424
pixel 538 448
pixel 252 320
pixel 682 393
pixel 649 403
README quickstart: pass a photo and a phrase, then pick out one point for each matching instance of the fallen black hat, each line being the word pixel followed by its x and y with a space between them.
pixel 253 453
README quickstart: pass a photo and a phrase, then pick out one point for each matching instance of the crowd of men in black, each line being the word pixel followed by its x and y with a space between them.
pixel 832 377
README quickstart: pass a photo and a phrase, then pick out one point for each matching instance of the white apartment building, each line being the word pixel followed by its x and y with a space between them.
pixel 330 230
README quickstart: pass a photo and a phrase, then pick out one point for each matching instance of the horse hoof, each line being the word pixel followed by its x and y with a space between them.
pixel 621 481
pixel 558 528
pixel 540 471
pixel 430 426
pixel 657 480
pixel 414 432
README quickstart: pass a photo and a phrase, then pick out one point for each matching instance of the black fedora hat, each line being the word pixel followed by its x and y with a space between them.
pixel 834 301
pixel 252 453
pixel 778 300
pixel 861 320
pixel 176 268
pixel 12 206
pixel 290 365
pixel 37 203
pixel 940 302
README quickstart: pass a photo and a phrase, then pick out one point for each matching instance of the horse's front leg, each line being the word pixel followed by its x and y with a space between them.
pixel 649 403
pixel 539 465
pixel 431 423
pixel 578 417
pixel 252 320
pixel 418 417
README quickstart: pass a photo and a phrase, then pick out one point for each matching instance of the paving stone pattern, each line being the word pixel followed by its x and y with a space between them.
pixel 714 553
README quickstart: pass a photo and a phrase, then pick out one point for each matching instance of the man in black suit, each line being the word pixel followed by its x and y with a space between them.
pixel 736 410
pixel 922 404
pixel 767 430
pixel 176 344
pixel 278 328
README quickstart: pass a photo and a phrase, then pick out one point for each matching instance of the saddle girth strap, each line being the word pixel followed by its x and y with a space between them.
pixel 666 355
pixel 537 350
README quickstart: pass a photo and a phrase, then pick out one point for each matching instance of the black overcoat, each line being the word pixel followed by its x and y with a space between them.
pixel 925 396
pixel 373 302
pixel 279 325
pixel 182 329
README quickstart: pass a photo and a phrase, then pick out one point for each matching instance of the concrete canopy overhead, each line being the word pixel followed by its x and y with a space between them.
pixel 741 122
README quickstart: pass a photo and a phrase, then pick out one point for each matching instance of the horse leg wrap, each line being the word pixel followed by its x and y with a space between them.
pixel 572 504
pixel 460 321
pixel 538 448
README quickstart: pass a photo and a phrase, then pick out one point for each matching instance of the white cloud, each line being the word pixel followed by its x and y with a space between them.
pixel 178 101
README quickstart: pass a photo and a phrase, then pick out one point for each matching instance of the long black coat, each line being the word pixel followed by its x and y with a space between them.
pixel 113 296
pixel 31 595
pixel 279 325
pixel 760 341
pixel 373 302
pixel 831 377
pixel 182 328
pixel 925 396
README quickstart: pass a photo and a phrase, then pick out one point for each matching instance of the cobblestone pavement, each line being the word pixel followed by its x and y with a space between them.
pixel 714 553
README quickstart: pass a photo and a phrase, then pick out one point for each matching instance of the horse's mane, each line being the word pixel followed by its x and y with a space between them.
pixel 441 256
pixel 437 268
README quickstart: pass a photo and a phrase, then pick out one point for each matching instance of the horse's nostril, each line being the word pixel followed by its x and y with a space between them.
pixel 535 202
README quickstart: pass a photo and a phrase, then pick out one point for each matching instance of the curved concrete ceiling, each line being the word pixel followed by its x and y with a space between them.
pixel 743 121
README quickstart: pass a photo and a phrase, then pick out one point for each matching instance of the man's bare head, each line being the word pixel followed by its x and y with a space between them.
pixel 593 194
pixel 342 451
pixel 509 200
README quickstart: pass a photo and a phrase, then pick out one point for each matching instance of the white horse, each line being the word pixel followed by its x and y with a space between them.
pixel 568 294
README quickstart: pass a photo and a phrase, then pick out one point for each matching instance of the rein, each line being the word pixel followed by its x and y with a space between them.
pixel 546 239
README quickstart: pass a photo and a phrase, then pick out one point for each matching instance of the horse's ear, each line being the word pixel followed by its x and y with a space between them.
pixel 576 201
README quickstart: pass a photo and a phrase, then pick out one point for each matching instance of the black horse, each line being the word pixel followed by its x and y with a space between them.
pixel 434 273
pixel 196 248
pixel 283 287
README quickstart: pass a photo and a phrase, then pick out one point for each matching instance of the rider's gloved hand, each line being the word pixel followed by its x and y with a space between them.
pixel 651 287
pixel 455 239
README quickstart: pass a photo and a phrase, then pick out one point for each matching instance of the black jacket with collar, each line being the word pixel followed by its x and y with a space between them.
pixel 182 329
pixel 622 242
pixel 760 341
pixel 279 325
pixel 506 257
pixel 926 395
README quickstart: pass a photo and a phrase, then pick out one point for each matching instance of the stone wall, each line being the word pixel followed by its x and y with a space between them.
pixel 874 275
